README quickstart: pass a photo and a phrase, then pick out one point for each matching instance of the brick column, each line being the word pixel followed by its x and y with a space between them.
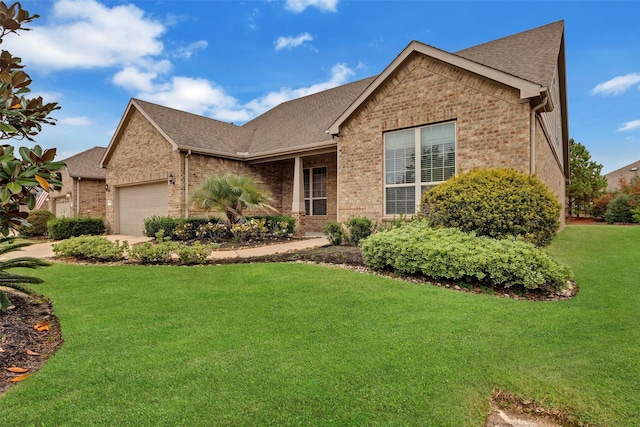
pixel 297 207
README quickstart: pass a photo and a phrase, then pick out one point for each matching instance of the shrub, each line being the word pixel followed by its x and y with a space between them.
pixel 635 214
pixel 335 232
pixel 277 225
pixel 64 228
pixel 619 210
pixel 253 229
pixel 91 248
pixel 154 224
pixel 152 253
pixel 38 220
pixel 600 204
pixel 194 254
pixel 495 203
pixel 359 229
pixel 450 254
pixel 187 228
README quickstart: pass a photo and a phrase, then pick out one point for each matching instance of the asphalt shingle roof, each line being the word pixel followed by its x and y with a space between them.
pixel 530 55
pixel 87 164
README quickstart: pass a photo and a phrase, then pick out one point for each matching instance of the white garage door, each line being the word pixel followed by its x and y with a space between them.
pixel 63 207
pixel 139 202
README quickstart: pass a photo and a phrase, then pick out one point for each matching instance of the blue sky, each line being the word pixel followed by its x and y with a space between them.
pixel 232 60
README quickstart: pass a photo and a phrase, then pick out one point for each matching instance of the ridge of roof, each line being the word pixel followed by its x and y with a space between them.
pixel 87 164
pixel 531 55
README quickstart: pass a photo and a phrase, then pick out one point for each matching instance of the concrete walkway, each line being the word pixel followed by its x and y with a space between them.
pixel 44 250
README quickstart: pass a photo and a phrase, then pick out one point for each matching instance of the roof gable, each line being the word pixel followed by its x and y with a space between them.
pixel 87 164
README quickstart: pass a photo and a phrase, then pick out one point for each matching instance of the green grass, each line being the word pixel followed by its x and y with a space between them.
pixel 297 344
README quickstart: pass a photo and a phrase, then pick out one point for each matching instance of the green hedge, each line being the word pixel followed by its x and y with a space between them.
pixel 186 228
pixel 38 223
pixel 64 228
pixel 496 203
pixel 450 254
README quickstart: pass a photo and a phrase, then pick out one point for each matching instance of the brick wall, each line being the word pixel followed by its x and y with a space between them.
pixel 492 126
pixel 549 168
pixel 142 155
pixel 92 196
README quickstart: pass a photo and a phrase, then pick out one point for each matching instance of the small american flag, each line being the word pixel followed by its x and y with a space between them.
pixel 41 198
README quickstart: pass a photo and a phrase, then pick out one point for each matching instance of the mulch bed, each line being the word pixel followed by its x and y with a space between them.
pixel 22 346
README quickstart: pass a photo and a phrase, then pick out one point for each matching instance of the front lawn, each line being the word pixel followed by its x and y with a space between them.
pixel 299 344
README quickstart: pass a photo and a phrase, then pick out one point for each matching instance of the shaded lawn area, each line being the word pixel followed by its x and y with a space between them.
pixel 299 344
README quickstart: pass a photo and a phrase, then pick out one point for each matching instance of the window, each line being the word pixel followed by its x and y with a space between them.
pixel 404 178
pixel 315 191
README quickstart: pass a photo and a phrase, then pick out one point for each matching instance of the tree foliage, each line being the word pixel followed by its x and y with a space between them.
pixel 228 196
pixel 587 183
pixel 21 118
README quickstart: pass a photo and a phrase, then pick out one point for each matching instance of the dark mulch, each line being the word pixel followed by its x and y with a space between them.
pixel 349 255
pixel 18 336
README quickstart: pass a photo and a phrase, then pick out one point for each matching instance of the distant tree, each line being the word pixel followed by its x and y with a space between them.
pixel 21 118
pixel 228 195
pixel 587 183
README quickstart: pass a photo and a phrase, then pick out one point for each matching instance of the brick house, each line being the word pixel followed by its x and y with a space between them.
pixel 83 186
pixel 352 150
pixel 627 172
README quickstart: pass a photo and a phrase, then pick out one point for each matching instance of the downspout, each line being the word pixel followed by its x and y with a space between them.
pixel 532 138
pixel 78 196
pixel 186 184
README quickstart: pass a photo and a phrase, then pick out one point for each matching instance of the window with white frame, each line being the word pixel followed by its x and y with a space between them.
pixel 315 191
pixel 405 178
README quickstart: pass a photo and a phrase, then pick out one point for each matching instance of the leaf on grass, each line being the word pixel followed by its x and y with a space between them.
pixel 40 325
pixel 32 353
pixel 17 370
pixel 19 378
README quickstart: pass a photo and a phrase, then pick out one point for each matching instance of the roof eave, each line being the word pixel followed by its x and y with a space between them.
pixel 527 89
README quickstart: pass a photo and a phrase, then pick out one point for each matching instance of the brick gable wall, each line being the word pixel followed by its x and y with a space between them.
pixel 492 126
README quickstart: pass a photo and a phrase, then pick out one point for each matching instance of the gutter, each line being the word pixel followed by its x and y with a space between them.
pixel 532 137
pixel 186 184
pixel 78 196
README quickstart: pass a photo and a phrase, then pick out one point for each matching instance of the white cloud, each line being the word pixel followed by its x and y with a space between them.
pixel 188 51
pixel 201 96
pixel 617 85
pixel 291 42
pixel 633 124
pixel 87 34
pixel 300 5
pixel 76 121
pixel 339 75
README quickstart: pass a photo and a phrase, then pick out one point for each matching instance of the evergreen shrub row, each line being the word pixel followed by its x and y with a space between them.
pixel 64 228
pixel 449 254
pixel 94 248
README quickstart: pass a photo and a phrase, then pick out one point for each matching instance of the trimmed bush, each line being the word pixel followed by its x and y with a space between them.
pixel 64 228
pixel 619 210
pixel 496 203
pixel 90 248
pixel 194 254
pixel 154 224
pixel 452 255
pixel 359 229
pixel 152 253
pixel 38 220
pixel 335 232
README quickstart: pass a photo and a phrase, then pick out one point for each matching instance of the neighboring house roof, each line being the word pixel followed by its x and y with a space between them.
pixel 526 61
pixel 626 172
pixel 87 164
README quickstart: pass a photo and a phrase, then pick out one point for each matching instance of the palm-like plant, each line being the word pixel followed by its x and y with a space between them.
pixel 16 281
pixel 228 195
